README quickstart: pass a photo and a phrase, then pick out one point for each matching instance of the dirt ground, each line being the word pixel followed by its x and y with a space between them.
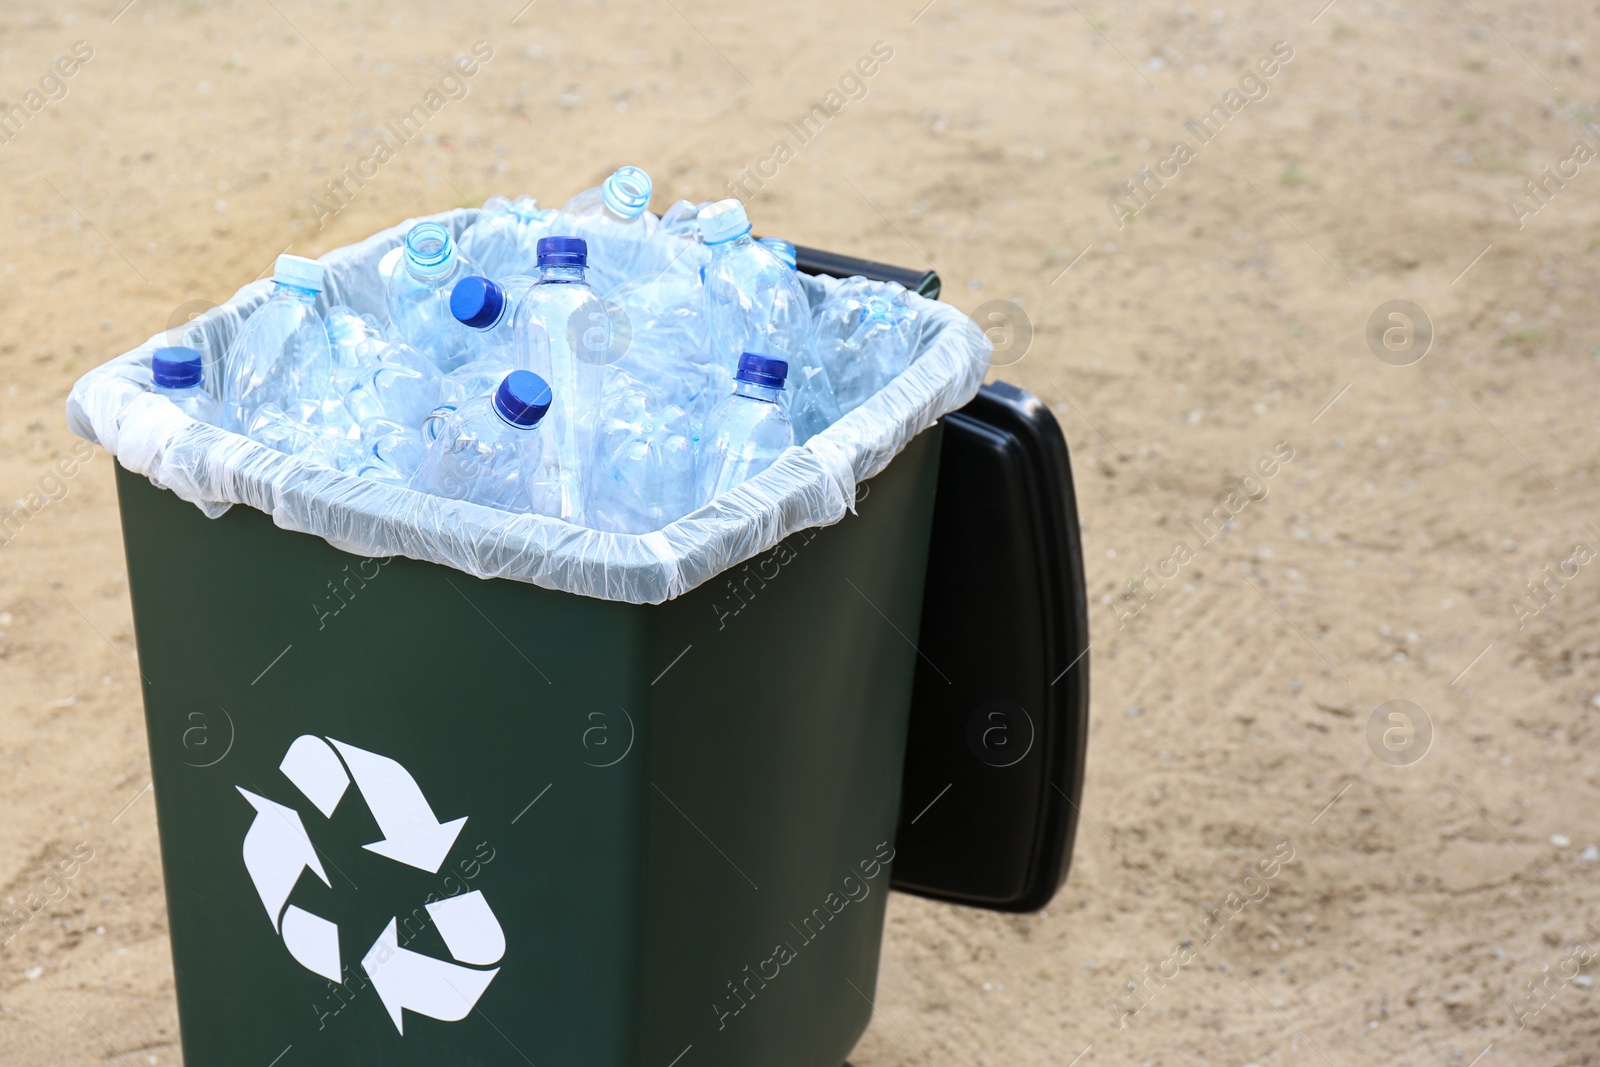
pixel 1216 316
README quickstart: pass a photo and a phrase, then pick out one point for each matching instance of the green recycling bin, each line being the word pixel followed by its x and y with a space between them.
pixel 557 829
pixel 439 784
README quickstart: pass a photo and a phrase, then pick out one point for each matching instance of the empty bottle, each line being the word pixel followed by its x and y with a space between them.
pixel 178 374
pixel 299 429
pixel 419 297
pixel 471 380
pixel 376 378
pixel 615 218
pixel 489 307
pixel 504 240
pixel 781 248
pixel 866 334
pixel 660 341
pixel 492 451
pixel 393 452
pixel 747 431
pixel 563 334
pixel 281 352
pixel 643 473
pixel 755 303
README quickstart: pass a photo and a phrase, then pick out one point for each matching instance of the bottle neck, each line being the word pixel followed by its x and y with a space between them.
pixel 293 292
pixel 732 244
pixel 751 391
pixel 561 273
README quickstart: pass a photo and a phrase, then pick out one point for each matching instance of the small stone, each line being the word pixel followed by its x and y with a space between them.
pixel 32 974
pixel 1136 711
pixel 1583 981
pixel 1590 854
pixel 1560 840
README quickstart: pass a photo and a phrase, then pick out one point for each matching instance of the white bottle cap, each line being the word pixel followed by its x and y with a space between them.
pixel 298 271
pixel 722 221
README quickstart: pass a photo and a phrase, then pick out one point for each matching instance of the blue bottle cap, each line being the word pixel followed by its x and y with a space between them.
pixel 176 368
pixel 477 302
pixel 522 399
pixel 563 252
pixel 762 370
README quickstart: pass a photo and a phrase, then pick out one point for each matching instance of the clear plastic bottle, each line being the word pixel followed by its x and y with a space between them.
pixel 615 218
pixel 660 341
pixel 178 374
pixel 489 307
pixel 299 429
pixel 281 353
pixel 563 334
pixel 504 240
pixel 643 474
pixel 866 334
pixel 755 303
pixel 376 378
pixel 479 378
pixel 493 451
pixel 747 431
pixel 393 452
pixel 419 297
pixel 782 248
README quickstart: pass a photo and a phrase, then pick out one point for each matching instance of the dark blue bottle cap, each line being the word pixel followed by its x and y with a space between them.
pixel 176 368
pixel 477 302
pixel 762 370
pixel 563 252
pixel 523 398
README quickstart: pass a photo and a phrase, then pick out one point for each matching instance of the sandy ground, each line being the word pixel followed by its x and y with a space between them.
pixel 1180 339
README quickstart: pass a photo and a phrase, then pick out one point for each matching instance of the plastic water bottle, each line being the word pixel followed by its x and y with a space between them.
pixel 563 334
pixel 643 474
pixel 281 352
pixel 393 452
pixel 376 378
pixel 493 451
pixel 419 297
pixel 866 334
pixel 299 430
pixel 615 218
pixel 661 341
pixel 781 248
pixel 472 380
pixel 681 220
pixel 747 431
pixel 489 307
pixel 177 374
pixel 755 303
pixel 504 240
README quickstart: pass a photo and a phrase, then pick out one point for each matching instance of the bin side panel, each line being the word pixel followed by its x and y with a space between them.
pixel 776 749
pixel 487 694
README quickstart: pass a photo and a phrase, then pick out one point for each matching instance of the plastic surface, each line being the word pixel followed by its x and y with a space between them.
pixel 651 797
pixel 177 368
pixel 298 271
pixel 811 485
pixel 1000 715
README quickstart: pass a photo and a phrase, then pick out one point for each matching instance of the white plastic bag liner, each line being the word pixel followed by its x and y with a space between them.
pixel 811 485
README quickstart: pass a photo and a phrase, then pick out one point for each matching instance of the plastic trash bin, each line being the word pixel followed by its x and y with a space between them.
pixel 412 816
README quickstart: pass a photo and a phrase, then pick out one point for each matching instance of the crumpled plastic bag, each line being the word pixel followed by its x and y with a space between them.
pixel 810 485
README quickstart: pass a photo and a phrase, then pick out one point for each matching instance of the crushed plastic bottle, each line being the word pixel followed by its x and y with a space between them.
pixel 393 452
pixel 493 451
pixel 299 430
pixel 755 303
pixel 178 374
pixel 747 431
pixel 781 248
pixel 661 341
pixel 643 473
pixel 866 333
pixel 281 353
pixel 478 378
pixel 504 240
pixel 418 297
pixel 376 378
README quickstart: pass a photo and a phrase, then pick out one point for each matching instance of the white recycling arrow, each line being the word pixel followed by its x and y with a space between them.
pixel 276 850
pixel 407 980
pixel 412 834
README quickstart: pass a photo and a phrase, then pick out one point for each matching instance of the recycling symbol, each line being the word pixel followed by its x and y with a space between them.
pixel 277 850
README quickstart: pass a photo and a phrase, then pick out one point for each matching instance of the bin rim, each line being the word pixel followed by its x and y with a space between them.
pixel 810 485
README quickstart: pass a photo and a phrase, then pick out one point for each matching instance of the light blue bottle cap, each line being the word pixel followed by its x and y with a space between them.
pixel 723 221
pixel 298 271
